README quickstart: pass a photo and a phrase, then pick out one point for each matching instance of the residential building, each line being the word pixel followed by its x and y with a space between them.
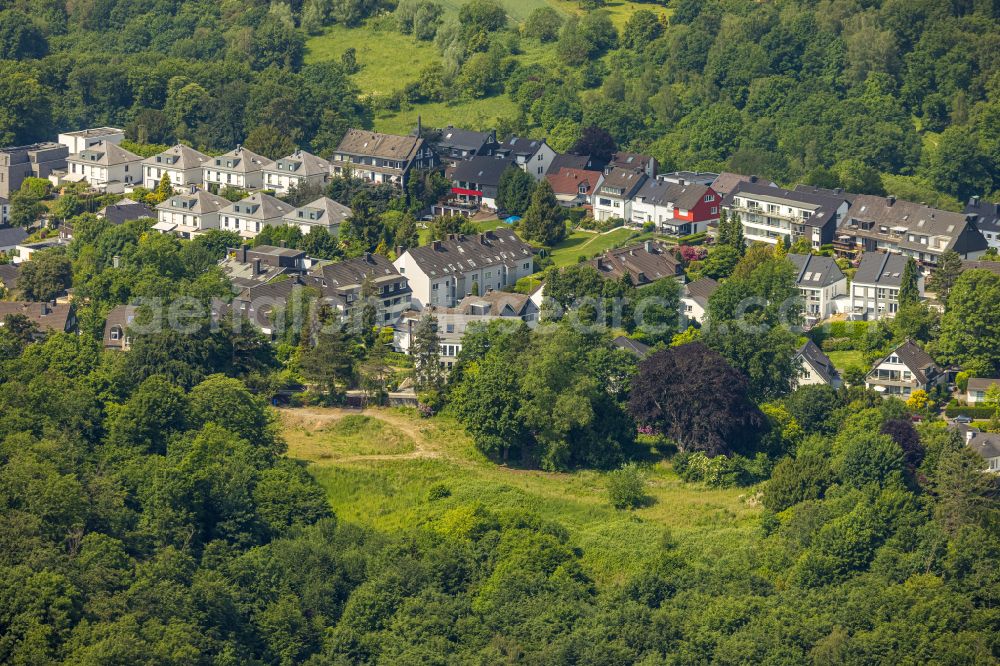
pixel 815 367
pixel 906 369
pixel 25 251
pixel 821 283
pixel 613 198
pixel 574 187
pixel 116 327
pixel 533 156
pixel 988 220
pixel 726 182
pixel 694 299
pixel 689 177
pixel 239 168
pixel 501 304
pixel 297 170
pixel 875 288
pixel 986 444
pixel 182 164
pixel 8 277
pixel 991 266
pixel 123 211
pixel 571 161
pixel 251 214
pixel 975 392
pixel 37 160
pixel 638 349
pixel 105 166
pixel 635 162
pixel 81 140
pixel 676 208
pixel 454 145
pixel 50 317
pixel 323 213
pixel 11 237
pixel 446 271
pixel 886 224
pixel 644 264
pixel 251 267
pixel 772 215
pixel 382 158
pixel 476 181
pixel 342 284
pixel 190 213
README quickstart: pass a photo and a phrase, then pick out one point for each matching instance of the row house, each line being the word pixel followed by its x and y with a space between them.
pixel 574 187
pixel 105 166
pixel 251 214
pixel 821 284
pixel 454 145
pixel 446 271
pixel 296 171
pixel 876 284
pixel 189 214
pixel 476 181
pixel 81 140
pixel 533 156
pixel 613 198
pixel 988 219
pixel 323 213
pixel 381 158
pixel 37 160
pixel 240 168
pixel 885 224
pixel 636 162
pixel 906 369
pixel 182 164
pixel 677 208
pixel 773 215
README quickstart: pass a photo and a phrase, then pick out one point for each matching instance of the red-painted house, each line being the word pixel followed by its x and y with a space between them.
pixel 678 209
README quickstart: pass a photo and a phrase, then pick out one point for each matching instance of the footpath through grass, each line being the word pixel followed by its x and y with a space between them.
pixel 390 492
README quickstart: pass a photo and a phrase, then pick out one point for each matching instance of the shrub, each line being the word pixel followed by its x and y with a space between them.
pixel 627 486
pixel 962 381
pixel 797 479
pixel 722 471
pixel 979 412
pixel 438 491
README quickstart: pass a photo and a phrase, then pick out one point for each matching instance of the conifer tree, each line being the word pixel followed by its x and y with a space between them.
pixel 909 291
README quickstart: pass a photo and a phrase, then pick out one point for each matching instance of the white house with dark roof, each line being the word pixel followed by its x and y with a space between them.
pixel 986 444
pixel 323 213
pixel 613 197
pixel 533 156
pixel 476 181
pixel 820 282
pixel 298 169
pixel 454 145
pixel 251 214
pixel 80 140
pixel 189 213
pixel 677 207
pixel 876 283
pixel 632 162
pixel 182 164
pixel 772 215
pixel 105 166
pixel 906 369
pixel 815 367
pixel 694 299
pixel 341 282
pixel 444 272
pixel 240 168
pixel 975 392
pixel 381 158
pixel 988 220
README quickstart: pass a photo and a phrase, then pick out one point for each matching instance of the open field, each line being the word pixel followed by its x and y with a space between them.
pixel 476 114
pixel 390 491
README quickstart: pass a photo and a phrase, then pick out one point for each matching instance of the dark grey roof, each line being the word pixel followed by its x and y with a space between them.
pixel 883 269
pixel 637 348
pixel 120 317
pixel 519 145
pixel 644 263
pixel 659 193
pixel 483 170
pixel 986 444
pixel 991 266
pixel 727 181
pixel 11 236
pixel 830 192
pixel 122 213
pixel 8 275
pixel 907 217
pixel 988 212
pixel 349 274
pixel 701 290
pixel 622 179
pixel 497 304
pixel 626 160
pixel 819 361
pixel 569 161
pixel 916 359
pixel 816 271
pixel 462 253
pixel 823 207
pixel 461 139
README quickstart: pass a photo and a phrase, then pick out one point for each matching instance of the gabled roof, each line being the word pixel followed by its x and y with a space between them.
pixel 622 179
pixel 881 268
pixel 11 236
pixel 375 144
pixel 916 359
pixel 638 349
pixel 462 139
pixel 816 271
pixel 727 181
pixel 258 206
pixel 633 161
pixel 701 290
pixel 120 213
pixel 521 146
pixel 121 317
pixel 988 212
pixel 497 304
pixel 975 383
pixel 322 211
pixel 482 170
pixel 958 230
pixel 48 316
pixel 643 263
pixel 347 275
pixel 240 160
pixel 818 361
pixel 104 154
pixel 8 275
pixel 570 161
pixel 991 266
pixel 660 193
pixel 462 253
pixel 300 163
pixel 835 192
pixel 198 203
pixel 179 157
pixel 568 181
pixel 986 444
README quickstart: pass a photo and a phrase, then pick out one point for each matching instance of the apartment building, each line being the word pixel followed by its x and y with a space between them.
pixel 773 215
pixel 295 171
pixel 105 166
pixel 381 158
pixel 37 160
pixel 240 168
pixel 875 288
pixel 182 164
pixel 820 282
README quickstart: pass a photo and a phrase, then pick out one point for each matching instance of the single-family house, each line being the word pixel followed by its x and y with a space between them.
pixel 815 367
pixel 11 237
pixel 875 288
pixel 37 160
pixel 296 171
pixel 820 282
pixel 24 251
pixel 251 214
pixel 533 156
pixel 613 197
pixel 454 145
pixel 124 211
pixel 574 187
pixel 988 219
pixel 975 392
pixel 638 349
pixel 188 214
pixel 572 161
pixel 676 208
pixel 644 263
pixel 239 168
pixel 476 181
pixel 51 317
pixel 116 327
pixel 446 271
pixel 772 215
pixel 381 158
pixel 635 162
pixel 886 224
pixel 986 444
pixel 323 213
pixel 694 299
pixel 182 164
pixel 906 369
pixel 81 140
pixel 8 277
pixel 250 267
pixel 342 283
pixel 105 166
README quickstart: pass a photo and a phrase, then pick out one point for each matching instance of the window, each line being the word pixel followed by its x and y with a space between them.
pixel 449 328
pixel 604 202
pixel 527 265
pixel 539 168
pixel 115 333
pixel 715 210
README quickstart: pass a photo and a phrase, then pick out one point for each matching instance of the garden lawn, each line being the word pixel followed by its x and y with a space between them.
pixel 588 244
pixel 845 359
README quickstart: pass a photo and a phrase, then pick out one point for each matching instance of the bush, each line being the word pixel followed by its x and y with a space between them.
pixel 720 471
pixel 627 486
pixel 693 239
pixel 438 491
pixel 797 479
pixel 979 412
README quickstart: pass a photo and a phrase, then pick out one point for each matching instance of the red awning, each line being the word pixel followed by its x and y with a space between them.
pixel 468 193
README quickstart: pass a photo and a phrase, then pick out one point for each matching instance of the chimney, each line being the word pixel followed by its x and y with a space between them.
pixel 974 201
pixel 420 126
pixel 969 434
pixel 482 239
pixel 281 242
pixel 116 261
pixel 891 199
pixel 43 309
pixel 650 246
pixel 437 245
pixel 256 266
pixel 242 256
pixel 368 257
pixel 399 251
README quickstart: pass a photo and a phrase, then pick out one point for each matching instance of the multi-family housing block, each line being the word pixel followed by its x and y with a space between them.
pixel 381 158
pixel 182 164
pixel 773 215
pixel 239 168
pixel 296 171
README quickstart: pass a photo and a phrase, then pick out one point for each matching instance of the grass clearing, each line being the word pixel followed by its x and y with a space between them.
pixel 589 244
pixel 475 114
pixel 353 435
pixel 845 359
pixel 391 492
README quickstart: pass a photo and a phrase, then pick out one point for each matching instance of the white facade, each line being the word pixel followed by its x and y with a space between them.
pixel 81 140
pixel 692 310
pixel 608 206
pixel 447 290
pixel 182 164
pixel 100 176
pixel 296 170
pixel 538 164
pixel 819 301
pixel 188 222
pixel 238 168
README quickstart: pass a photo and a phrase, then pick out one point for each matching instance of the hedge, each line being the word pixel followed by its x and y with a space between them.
pixel 951 411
